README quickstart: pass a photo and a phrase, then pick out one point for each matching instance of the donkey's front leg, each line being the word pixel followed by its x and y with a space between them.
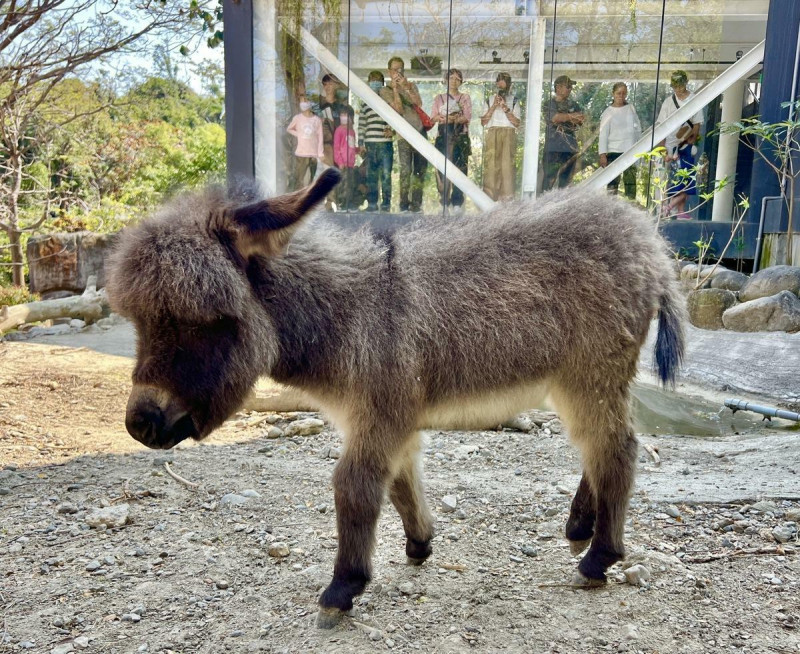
pixel 359 485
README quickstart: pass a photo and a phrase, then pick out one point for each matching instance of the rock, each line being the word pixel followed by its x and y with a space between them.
pixel 375 634
pixel 777 313
pixel 81 642
pixel 66 508
pixel 449 503
pixel 783 534
pixel 707 305
pixel 278 549
pixel 764 506
pixel 304 427
pixel 630 632
pixel 770 281
pixel 274 432
pixel 222 584
pixel 406 588
pixel 729 280
pixel 519 423
pixel 110 516
pixel 131 617
pixel 77 323
pixel 63 649
pixel 250 493
pixel 793 515
pixel 529 550
pixel 93 565
pixel 233 499
pixel 637 575
pixel 672 511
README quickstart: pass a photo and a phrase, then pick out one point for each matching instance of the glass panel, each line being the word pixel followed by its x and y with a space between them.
pixel 319 54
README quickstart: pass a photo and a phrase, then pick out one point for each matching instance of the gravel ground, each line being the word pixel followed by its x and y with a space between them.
pixel 236 563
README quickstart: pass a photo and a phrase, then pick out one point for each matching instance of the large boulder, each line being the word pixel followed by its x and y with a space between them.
pixel 777 313
pixel 730 280
pixel 707 305
pixel 771 281
pixel 707 272
pixel 64 262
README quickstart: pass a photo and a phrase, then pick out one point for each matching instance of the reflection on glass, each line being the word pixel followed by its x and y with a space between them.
pixel 456 147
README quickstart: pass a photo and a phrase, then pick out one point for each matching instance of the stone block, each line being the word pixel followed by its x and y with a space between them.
pixel 707 305
pixel 777 313
pixel 771 281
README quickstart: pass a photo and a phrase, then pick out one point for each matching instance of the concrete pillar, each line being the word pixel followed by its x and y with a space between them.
pixel 727 152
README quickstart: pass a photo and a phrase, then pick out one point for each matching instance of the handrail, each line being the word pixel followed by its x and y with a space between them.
pixel 704 96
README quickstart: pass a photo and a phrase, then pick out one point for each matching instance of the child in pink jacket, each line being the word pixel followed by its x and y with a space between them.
pixel 344 156
pixel 307 129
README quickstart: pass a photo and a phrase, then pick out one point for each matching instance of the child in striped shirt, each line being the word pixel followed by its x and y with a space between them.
pixel 375 137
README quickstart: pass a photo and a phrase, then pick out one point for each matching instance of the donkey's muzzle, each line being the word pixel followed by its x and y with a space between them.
pixel 155 425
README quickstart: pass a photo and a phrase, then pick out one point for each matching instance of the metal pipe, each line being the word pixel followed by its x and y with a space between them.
pixel 767 411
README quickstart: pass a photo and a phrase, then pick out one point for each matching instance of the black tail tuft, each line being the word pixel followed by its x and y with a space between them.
pixel 670 341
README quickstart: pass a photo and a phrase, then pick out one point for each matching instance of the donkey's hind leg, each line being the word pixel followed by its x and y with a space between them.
pixel 598 423
pixel 408 497
pixel 582 513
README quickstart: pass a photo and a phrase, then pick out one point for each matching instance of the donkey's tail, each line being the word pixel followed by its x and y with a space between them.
pixel 670 340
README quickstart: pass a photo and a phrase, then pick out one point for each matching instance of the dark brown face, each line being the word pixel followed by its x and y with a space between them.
pixel 203 337
pixel 188 379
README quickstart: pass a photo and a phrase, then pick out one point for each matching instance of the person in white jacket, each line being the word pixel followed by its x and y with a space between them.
pixel 619 130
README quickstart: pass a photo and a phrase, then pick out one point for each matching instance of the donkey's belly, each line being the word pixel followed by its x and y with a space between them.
pixel 483 410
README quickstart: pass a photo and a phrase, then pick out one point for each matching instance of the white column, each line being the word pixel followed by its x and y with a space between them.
pixel 533 107
pixel 265 95
pixel 727 152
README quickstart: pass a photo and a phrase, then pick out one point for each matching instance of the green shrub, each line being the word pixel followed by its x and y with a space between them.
pixel 11 295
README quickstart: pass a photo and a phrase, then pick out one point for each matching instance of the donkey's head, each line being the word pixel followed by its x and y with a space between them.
pixel 202 336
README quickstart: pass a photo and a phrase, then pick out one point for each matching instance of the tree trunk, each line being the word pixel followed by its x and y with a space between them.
pixel 17 261
pixel 88 307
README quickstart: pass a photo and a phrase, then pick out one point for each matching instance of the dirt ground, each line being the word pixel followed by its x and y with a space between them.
pixel 191 570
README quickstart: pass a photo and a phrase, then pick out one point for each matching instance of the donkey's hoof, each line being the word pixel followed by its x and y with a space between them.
pixel 411 560
pixel 328 618
pixel 577 546
pixel 580 581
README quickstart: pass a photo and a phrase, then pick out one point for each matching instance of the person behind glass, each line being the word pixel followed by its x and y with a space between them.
pixel 619 130
pixel 679 148
pixel 405 97
pixel 375 143
pixel 307 129
pixel 500 122
pixel 344 156
pixel 452 112
pixel 564 117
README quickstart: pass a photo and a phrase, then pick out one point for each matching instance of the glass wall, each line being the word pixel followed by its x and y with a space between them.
pixel 528 104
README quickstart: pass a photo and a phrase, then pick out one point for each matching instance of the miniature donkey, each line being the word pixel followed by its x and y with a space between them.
pixel 391 333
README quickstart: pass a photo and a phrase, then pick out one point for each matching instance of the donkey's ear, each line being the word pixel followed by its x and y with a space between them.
pixel 266 227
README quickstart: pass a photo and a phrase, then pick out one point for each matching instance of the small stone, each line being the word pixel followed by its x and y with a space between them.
pixel 793 515
pixel 93 565
pixel 111 516
pixel 519 423
pixel 63 649
pixel 131 617
pixel 782 534
pixel 552 511
pixel 376 635
pixel 66 508
pixel 279 549
pixel 27 644
pixel 672 511
pixel 81 642
pixel 304 427
pixel 407 588
pixel 222 584
pixel 233 499
pixel 250 493
pixel 637 574
pixel 449 503
pixel 274 432
pixel 238 633
pixel 630 632
pixel 516 559
pixel 529 550
pixel 765 506
pixel 334 453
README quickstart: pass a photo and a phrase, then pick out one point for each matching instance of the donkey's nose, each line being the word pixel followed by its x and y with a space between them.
pixel 145 423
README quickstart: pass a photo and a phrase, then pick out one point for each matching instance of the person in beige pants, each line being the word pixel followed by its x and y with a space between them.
pixel 500 123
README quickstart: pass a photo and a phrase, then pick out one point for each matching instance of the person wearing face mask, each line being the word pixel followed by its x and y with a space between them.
pixel 620 128
pixel 375 143
pixel 307 129
pixel 344 156
pixel 500 122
